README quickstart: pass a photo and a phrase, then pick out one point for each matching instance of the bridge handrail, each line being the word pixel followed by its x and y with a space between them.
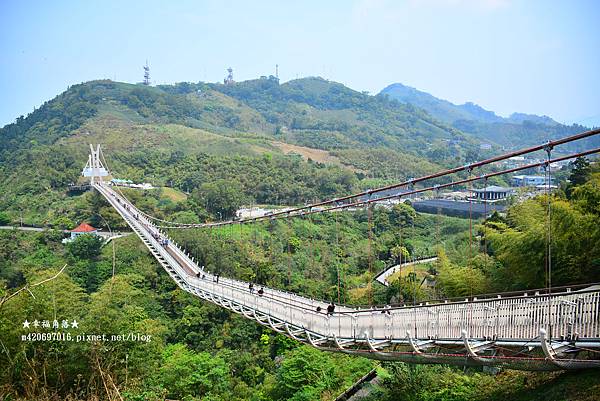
pixel 301 302
pixel 559 290
pixel 288 298
pixel 379 309
pixel 528 315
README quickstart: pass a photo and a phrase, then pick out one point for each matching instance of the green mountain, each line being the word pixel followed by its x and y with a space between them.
pixel 311 112
pixel 189 134
pixel 186 135
pixel 522 117
pixel 516 131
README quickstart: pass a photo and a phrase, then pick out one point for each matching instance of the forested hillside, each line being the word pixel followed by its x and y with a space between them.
pixel 199 351
pixel 210 149
pixel 156 133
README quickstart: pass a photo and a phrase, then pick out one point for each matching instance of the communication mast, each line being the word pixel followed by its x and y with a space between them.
pixel 146 74
pixel 229 80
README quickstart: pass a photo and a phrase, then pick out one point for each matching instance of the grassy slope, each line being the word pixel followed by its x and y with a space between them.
pixel 318 155
pixel 173 194
pixel 118 135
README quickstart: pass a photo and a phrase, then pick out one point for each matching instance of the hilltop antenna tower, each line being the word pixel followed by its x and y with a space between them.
pixel 229 80
pixel 146 74
pixel 277 71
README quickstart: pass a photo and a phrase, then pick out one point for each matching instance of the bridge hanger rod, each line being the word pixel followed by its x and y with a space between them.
pixel 308 209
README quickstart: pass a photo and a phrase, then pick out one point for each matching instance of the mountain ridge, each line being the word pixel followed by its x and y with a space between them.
pixel 163 134
pixel 309 112
pixel 408 94
pixel 516 130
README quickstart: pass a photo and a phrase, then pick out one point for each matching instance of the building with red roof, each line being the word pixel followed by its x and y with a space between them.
pixel 83 228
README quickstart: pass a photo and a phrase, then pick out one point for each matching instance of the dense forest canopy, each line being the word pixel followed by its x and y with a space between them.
pixel 199 350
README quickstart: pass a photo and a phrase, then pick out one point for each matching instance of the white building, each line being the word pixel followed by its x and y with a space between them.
pixel 81 229
pixel 492 193
pixel 528 180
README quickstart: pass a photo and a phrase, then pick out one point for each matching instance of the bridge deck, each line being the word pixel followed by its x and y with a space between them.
pixel 558 325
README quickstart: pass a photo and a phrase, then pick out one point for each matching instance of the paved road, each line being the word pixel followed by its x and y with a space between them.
pixel 41 229
pixel 383 276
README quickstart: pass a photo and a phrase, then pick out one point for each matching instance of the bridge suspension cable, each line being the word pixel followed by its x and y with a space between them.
pixel 340 202
pixel 476 332
pixel 415 191
pixel 337 206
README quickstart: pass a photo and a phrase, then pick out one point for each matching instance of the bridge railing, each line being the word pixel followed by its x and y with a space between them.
pixel 565 315
pixel 184 259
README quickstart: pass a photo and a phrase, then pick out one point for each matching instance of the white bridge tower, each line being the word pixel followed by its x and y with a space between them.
pixel 94 167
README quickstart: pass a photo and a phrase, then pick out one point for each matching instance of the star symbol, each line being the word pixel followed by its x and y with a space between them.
pixel 26 324
pixel 74 324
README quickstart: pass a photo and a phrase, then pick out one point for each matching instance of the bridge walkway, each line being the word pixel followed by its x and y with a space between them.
pixel 473 332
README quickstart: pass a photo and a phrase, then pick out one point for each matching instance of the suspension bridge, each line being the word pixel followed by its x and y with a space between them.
pixel 547 329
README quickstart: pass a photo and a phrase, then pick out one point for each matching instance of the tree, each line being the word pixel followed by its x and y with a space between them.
pixel 402 215
pixel 86 246
pixel 28 365
pixel 579 175
pixel 305 370
pixel 587 196
pixel 222 197
pixel 186 217
pixel 63 223
pixel 4 219
pixel 185 372
pixel 400 253
pixel 581 171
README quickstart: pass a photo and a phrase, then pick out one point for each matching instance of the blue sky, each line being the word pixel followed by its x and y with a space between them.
pixel 529 56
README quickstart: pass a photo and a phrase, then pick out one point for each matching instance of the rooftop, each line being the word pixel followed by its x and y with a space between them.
pixel 521 177
pixel 493 188
pixel 84 228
